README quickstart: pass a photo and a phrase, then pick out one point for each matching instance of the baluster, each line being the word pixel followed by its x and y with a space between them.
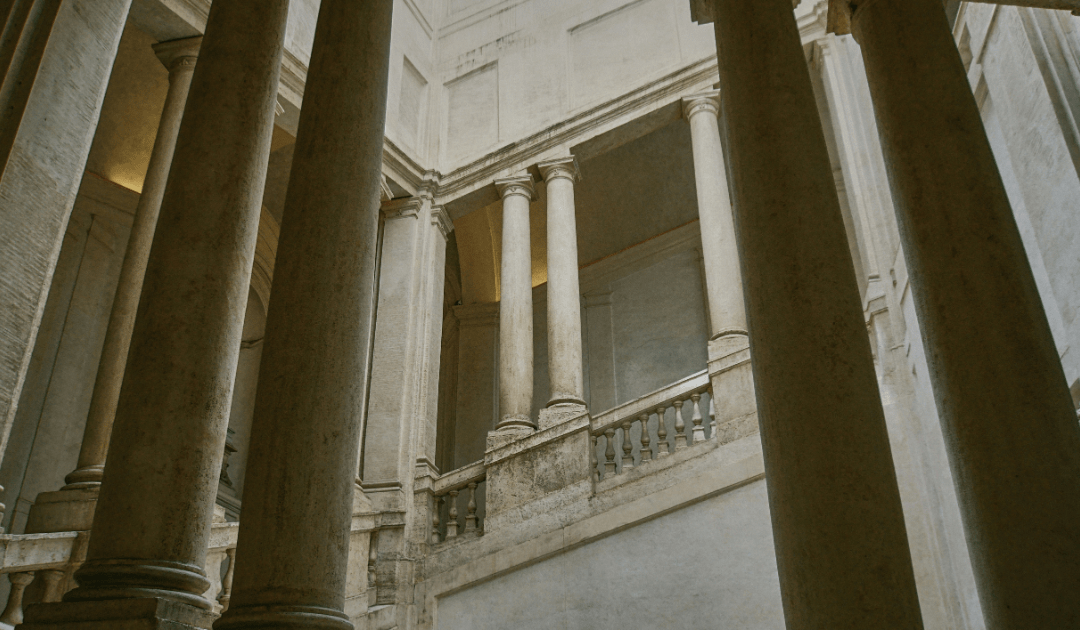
pixel 680 426
pixel 53 590
pixel 372 560
pixel 437 505
pixel 226 582
pixel 592 458
pixel 646 450
pixel 627 447
pixel 13 614
pixel 699 431
pixel 609 452
pixel 662 447
pixel 470 515
pixel 712 418
pixel 451 521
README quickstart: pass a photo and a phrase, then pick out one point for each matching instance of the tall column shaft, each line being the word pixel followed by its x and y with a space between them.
pixel 179 57
pixel 838 526
pixel 723 280
pixel 293 549
pixel 1001 393
pixel 516 307
pixel 152 522
pixel 565 369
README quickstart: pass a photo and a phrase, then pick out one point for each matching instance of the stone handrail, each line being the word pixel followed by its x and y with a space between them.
pixel 445 500
pixel 631 410
pixel 54 558
pixel 460 478
pixel 632 424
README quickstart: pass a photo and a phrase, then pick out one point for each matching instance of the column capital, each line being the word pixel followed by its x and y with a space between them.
pixel 522 185
pixel 566 167
pixel 440 218
pixel 179 54
pixel 705 102
pixel 401 208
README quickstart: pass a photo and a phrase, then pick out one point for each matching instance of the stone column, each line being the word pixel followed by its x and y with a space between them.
pixel 179 57
pixel 293 549
pixel 515 308
pixel 152 523
pixel 729 353
pixel 727 314
pixel 1002 397
pixel 57 58
pixel 838 526
pixel 565 369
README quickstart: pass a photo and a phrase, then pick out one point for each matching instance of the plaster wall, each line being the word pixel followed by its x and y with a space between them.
pixel 710 561
pixel 515 67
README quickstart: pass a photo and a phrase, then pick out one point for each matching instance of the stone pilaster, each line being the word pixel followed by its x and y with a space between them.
pixel 72 508
pixel 292 554
pixel 152 522
pixel 565 369
pixel 515 310
pixel 838 526
pixel 1004 404
pixel 729 345
pixel 57 69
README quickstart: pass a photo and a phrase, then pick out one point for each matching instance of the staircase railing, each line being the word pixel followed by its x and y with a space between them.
pixel 652 426
pixel 459 493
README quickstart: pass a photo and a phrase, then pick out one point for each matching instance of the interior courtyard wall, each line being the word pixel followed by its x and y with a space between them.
pixel 709 563
pixel 512 68
pixel 47 432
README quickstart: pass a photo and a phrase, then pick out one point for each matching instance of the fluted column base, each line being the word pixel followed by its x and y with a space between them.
pixel 283 618
pixel 144 613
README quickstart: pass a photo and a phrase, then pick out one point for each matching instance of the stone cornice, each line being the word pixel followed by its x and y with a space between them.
pixel 440 218
pixel 406 208
pixel 575 130
pixel 521 185
pixel 565 167
pixel 709 101
pixel 701 11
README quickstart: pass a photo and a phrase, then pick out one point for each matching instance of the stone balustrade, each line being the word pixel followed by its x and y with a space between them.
pixel 54 558
pixel 652 427
pixel 456 495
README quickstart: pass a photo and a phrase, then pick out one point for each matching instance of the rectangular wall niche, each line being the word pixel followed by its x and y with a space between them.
pixel 472 117
pixel 615 52
pixel 411 104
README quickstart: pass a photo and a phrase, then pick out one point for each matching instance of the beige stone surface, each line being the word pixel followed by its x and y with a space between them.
pixel 826 445
pixel 979 311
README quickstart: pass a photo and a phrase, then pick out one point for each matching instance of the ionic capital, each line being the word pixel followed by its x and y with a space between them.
pixel 566 167
pixel 700 103
pixel 179 55
pixel 511 186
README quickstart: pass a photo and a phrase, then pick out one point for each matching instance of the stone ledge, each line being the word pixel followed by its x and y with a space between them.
pixel 150 613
